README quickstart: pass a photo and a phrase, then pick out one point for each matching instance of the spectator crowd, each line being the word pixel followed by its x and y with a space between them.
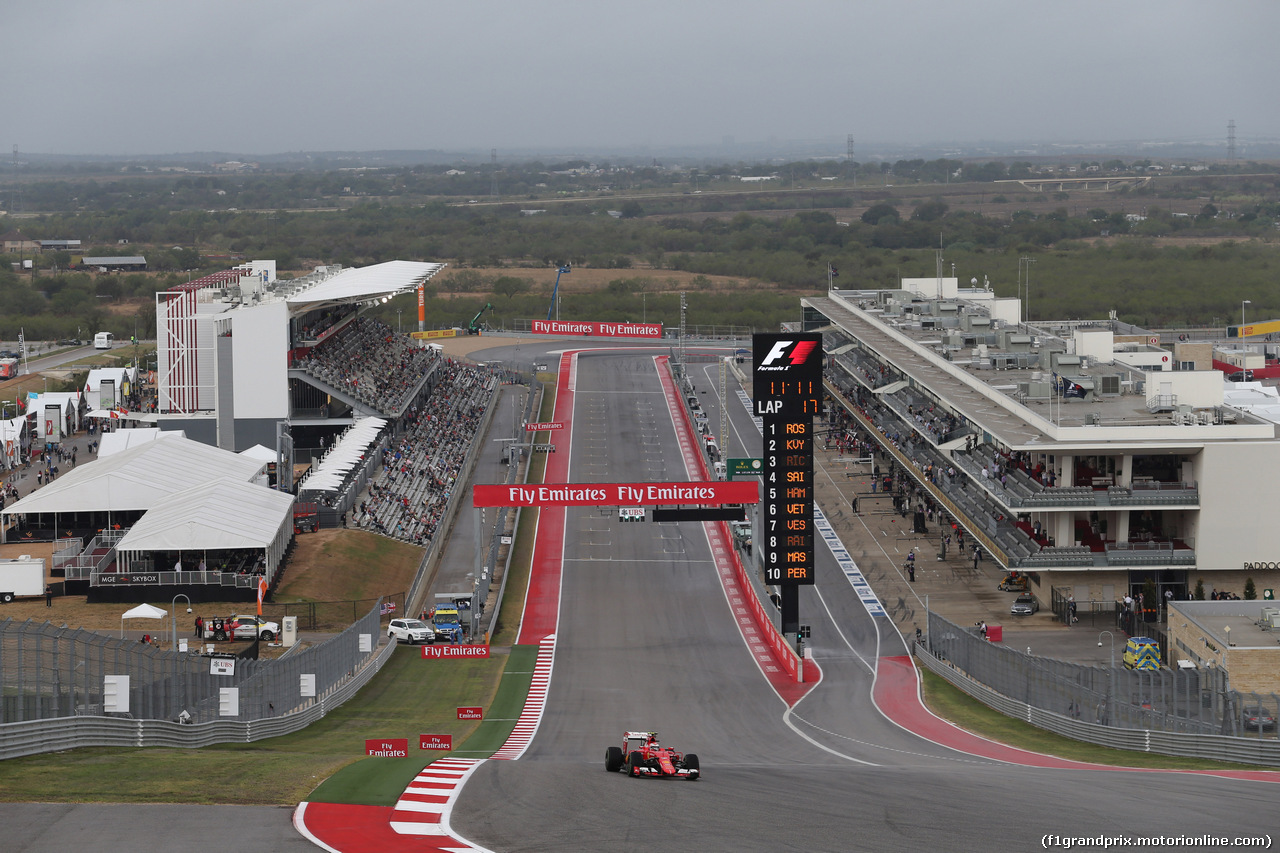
pixel 369 361
pixel 408 497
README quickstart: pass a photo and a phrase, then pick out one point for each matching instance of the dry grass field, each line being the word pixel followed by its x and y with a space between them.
pixel 331 565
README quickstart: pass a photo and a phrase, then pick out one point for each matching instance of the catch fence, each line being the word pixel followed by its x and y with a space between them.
pixel 52 673
pixel 1187 701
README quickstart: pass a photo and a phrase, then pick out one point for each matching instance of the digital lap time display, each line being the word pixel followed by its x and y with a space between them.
pixel 787 387
pixel 788 501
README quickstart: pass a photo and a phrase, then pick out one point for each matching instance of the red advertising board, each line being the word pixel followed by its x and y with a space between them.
pixel 439 651
pixel 396 747
pixel 435 741
pixel 714 493
pixel 539 427
pixel 470 713
pixel 603 330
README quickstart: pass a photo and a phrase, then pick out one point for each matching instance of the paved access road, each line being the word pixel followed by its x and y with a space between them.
pixel 83 828
pixel 645 640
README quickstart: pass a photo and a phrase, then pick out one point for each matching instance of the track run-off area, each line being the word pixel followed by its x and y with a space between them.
pixel 657 627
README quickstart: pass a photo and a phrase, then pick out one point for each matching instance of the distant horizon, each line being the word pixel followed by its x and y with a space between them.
pixel 758 149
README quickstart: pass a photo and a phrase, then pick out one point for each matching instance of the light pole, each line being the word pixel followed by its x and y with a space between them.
pixel 398 312
pixel 644 307
pixel 173 623
pixel 1111 677
pixel 1243 351
pixel 1113 645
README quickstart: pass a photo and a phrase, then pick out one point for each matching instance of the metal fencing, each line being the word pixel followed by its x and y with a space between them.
pixel 1247 750
pixel 1194 701
pixel 47 672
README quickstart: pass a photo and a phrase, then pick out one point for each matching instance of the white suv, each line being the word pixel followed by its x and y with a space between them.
pixel 255 626
pixel 411 631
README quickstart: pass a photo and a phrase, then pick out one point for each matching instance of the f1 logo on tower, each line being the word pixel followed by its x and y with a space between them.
pixel 799 354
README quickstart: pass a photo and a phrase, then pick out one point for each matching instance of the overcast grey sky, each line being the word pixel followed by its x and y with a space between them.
pixel 158 76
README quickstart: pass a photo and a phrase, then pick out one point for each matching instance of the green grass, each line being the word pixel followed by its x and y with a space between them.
pixel 411 696
pixel 953 704
pixel 380 781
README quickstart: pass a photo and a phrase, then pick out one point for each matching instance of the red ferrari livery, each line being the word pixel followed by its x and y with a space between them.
pixel 642 755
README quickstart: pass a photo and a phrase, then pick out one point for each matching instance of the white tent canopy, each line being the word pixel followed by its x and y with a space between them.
pixel 123 439
pixel 263 454
pixel 222 515
pixel 212 516
pixel 348 452
pixel 142 611
pixel 136 479
pixel 120 376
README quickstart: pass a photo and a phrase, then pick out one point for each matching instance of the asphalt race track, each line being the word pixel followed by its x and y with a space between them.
pixel 645 640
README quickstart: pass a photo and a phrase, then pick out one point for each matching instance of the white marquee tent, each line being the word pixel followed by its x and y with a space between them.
pixel 221 515
pixel 135 480
pixel 142 611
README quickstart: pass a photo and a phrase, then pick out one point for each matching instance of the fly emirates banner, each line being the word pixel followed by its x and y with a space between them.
pixel 712 493
pixel 604 330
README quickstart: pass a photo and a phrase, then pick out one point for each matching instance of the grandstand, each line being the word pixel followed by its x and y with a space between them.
pixel 240 351
pixel 387 419
pixel 247 364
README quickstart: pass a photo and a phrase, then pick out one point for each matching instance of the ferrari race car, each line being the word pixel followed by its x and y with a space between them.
pixel 642 755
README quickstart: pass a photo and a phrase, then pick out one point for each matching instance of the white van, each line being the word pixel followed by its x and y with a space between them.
pixel 104 340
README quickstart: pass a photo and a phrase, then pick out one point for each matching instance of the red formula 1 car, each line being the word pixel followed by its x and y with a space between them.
pixel 642 755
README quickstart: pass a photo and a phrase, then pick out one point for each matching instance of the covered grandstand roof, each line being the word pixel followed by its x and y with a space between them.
pixel 215 515
pixel 371 282
pixel 138 478
pixel 347 453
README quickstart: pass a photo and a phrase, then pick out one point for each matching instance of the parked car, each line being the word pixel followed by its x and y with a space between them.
pixel 1024 605
pixel 1256 718
pixel 248 627
pixel 1240 376
pixel 411 631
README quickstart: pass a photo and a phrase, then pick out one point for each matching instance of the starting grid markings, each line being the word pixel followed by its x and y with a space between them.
pixel 846 563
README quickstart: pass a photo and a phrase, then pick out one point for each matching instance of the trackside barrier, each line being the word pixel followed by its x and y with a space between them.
pixel 39 736
pixel 722 541
pixel 1216 747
